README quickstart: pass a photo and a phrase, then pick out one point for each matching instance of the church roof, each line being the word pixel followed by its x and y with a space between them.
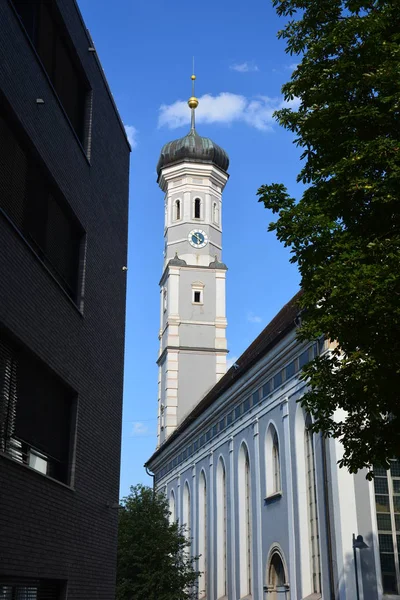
pixel 276 329
pixel 194 148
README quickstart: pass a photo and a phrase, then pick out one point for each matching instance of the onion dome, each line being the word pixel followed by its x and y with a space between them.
pixel 192 147
pixel 176 261
pixel 216 264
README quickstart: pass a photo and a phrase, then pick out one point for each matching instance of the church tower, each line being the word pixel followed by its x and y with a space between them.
pixel 192 172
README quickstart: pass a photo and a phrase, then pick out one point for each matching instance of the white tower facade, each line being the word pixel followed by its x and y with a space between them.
pixel 192 172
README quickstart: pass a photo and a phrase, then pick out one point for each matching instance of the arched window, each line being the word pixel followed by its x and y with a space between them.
pixel 172 508
pixel 177 214
pixel 277 585
pixel 221 530
pixel 197 207
pixel 272 462
pixel 186 513
pixel 245 521
pixel 276 465
pixel 165 299
pixel 313 529
pixel 202 535
pixel 215 213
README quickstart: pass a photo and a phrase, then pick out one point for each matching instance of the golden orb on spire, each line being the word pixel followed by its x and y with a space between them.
pixel 193 102
pixel 193 77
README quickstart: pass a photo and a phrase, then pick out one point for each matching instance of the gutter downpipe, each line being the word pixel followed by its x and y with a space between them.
pixel 328 519
pixel 150 474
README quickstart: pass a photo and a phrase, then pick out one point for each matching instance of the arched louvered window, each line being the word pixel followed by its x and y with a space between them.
pixel 221 530
pixel 313 529
pixel 177 210
pixel 245 521
pixel 215 213
pixel 202 535
pixel 197 208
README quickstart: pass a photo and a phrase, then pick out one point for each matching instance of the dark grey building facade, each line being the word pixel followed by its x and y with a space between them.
pixel 64 163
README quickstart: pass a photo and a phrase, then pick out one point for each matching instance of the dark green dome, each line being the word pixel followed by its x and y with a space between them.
pixel 194 148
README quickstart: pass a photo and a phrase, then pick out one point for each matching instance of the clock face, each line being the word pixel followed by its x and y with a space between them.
pixel 198 238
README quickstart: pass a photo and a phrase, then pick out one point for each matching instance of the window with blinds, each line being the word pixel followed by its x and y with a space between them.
pixel 387 502
pixel 41 589
pixel 36 207
pixel 47 33
pixel 35 412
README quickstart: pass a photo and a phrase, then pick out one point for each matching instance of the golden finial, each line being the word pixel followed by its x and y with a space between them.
pixel 193 101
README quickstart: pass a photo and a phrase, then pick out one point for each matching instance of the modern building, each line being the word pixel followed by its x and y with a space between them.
pixel 64 163
pixel 268 510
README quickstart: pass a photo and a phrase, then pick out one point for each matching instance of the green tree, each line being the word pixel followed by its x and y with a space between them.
pixel 344 232
pixel 154 561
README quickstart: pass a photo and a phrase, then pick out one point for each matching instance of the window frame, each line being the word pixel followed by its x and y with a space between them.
pixel 186 509
pixel 20 450
pixel 276 464
pixel 273 470
pixel 177 215
pixel 165 300
pixel 394 532
pixel 53 198
pixel 172 507
pixel 215 213
pixel 197 201
pixel 197 297
pixel 63 33
pixel 245 522
pixel 198 288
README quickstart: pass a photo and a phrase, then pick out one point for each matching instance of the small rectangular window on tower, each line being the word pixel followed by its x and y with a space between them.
pixel 197 297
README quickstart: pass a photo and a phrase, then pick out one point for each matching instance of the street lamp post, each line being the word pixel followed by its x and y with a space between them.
pixel 358 542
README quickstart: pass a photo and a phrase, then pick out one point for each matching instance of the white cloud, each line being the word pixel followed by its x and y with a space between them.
pixel 225 108
pixel 131 133
pixel 252 318
pixel 138 429
pixel 231 361
pixel 292 67
pixel 244 67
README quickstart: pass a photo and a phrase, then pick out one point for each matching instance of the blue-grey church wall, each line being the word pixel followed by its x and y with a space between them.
pixel 278 521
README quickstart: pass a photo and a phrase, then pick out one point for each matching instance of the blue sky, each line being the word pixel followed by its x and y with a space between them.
pixel 146 50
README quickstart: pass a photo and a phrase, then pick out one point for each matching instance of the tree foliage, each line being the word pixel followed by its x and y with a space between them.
pixel 344 232
pixel 154 561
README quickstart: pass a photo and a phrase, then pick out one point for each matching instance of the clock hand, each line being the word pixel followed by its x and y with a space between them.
pixel 198 238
